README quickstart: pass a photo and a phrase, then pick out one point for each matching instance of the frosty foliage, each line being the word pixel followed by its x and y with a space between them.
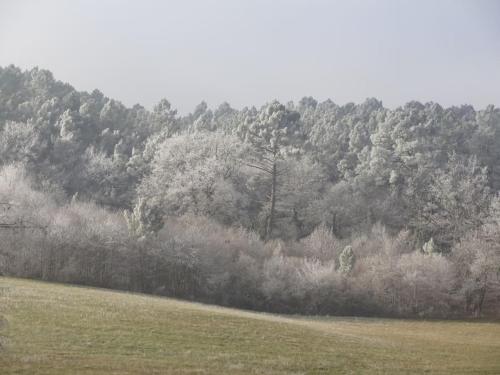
pixel 346 260
pixel 308 207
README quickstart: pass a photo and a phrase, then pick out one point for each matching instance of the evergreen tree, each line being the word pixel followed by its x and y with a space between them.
pixel 346 260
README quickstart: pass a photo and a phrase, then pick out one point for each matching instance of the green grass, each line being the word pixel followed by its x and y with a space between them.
pixel 59 329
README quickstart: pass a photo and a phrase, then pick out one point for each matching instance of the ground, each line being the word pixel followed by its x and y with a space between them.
pixel 60 329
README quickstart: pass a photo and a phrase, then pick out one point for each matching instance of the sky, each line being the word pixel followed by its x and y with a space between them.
pixel 248 52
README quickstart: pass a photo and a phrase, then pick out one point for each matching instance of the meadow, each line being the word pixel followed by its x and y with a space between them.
pixel 60 329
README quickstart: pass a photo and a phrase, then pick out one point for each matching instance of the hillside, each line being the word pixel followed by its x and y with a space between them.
pixel 59 329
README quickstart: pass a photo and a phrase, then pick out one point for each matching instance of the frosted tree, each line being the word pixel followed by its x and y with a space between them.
pixel 201 118
pixel 430 247
pixel 301 185
pixel 143 221
pixel 321 244
pixel 198 173
pixel 346 260
pixel 330 138
pixel 486 142
pixel 425 283
pixel 458 199
pixel 164 119
pixel 20 142
pixel 477 264
pixel 113 115
pixel 274 133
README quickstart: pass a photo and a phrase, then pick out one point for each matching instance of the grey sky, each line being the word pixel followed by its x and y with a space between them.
pixel 249 52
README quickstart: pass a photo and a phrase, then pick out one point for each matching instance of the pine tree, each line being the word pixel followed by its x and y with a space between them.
pixel 273 133
pixel 430 247
pixel 346 260
pixel 143 221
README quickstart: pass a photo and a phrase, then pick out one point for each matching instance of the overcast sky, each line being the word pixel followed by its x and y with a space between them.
pixel 249 52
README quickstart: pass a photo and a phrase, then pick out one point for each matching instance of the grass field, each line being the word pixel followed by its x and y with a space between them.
pixel 58 329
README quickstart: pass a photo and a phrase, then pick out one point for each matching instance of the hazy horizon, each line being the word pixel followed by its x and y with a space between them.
pixel 248 53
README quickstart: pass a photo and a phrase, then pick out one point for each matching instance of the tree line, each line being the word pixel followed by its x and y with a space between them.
pixel 308 207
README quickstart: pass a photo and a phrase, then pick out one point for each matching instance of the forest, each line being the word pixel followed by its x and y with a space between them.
pixel 308 207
